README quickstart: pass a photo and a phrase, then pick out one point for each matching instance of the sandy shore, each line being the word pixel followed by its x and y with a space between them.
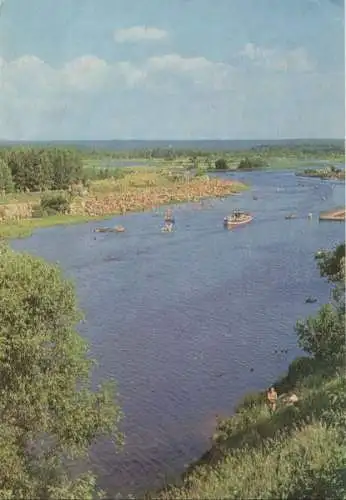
pixel 335 214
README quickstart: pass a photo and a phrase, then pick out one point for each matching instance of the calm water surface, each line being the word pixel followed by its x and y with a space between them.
pixel 180 320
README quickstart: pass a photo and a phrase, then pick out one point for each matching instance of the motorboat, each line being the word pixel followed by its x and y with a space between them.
pixel 237 218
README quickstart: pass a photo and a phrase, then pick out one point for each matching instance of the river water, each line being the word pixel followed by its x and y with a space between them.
pixel 188 322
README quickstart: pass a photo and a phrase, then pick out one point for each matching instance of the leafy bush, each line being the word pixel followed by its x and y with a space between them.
pixel 331 263
pixel 221 164
pixel 250 400
pixel 298 371
pixel 323 336
pixel 55 203
pixel 251 163
pixel 94 173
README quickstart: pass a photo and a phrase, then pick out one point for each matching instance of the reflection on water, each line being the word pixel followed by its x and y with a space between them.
pixel 187 322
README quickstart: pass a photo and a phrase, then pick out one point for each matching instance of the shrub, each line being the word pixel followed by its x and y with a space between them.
pixel 55 203
pixel 251 400
pixel 323 336
pixel 221 164
pixel 298 371
pixel 250 163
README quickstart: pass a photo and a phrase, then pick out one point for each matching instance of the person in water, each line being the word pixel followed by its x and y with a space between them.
pixel 272 398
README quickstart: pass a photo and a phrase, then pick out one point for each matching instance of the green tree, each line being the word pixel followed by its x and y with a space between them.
pixel 67 168
pixel 251 163
pixel 221 164
pixel 6 181
pixel 48 414
pixel 323 336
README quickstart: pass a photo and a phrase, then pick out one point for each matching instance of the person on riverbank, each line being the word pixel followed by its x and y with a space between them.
pixel 272 398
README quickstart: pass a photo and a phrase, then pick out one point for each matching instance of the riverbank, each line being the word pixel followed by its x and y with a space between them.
pixel 138 191
pixel 259 454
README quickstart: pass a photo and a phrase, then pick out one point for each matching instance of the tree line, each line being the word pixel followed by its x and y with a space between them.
pixel 39 169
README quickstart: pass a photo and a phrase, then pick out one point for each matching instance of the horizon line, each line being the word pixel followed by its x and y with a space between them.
pixel 180 140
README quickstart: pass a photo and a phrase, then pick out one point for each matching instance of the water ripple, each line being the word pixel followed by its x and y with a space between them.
pixel 188 322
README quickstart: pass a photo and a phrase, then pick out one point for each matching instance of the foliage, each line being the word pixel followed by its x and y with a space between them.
pixel 6 181
pixel 251 163
pixel 94 173
pixel 48 415
pixel 200 172
pixel 323 336
pixel 329 171
pixel 221 164
pixel 331 263
pixel 55 203
pixel 35 169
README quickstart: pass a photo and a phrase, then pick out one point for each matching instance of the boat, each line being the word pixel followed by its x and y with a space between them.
pixel 169 217
pixel 116 229
pixel 310 300
pixel 237 218
pixel 290 216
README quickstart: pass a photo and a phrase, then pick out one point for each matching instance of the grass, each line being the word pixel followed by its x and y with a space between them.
pixel 140 188
pixel 24 227
pixel 297 452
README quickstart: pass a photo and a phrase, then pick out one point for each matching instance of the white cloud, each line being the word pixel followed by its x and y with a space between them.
pixel 198 70
pixel 278 60
pixel 175 62
pixel 84 73
pixel 139 33
pixel 90 97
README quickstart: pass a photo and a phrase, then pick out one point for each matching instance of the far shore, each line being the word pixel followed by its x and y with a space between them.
pixel 100 205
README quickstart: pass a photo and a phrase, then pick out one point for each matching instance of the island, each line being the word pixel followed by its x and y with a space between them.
pixel 327 172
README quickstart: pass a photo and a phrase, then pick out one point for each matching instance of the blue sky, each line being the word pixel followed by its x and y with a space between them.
pixel 171 69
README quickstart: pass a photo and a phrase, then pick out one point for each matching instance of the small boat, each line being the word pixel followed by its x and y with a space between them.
pixel 237 218
pixel 169 217
pixel 310 300
pixel 290 216
pixel 116 229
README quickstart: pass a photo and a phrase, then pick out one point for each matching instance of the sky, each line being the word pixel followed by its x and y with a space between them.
pixel 171 69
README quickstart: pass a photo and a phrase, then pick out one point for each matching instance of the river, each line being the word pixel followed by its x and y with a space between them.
pixel 188 322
